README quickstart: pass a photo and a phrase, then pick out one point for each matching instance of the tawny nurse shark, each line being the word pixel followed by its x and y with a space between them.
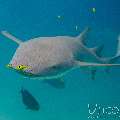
pixel 53 57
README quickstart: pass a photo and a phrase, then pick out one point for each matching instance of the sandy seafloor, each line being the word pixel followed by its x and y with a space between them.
pixel 31 18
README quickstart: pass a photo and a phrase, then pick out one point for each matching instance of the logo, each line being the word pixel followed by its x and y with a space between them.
pixel 105 112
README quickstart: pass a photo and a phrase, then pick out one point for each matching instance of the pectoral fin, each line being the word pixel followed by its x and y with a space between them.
pixel 10 36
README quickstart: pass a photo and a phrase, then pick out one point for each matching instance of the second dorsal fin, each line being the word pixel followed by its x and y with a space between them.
pixel 97 50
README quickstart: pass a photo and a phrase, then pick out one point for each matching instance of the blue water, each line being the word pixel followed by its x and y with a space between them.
pixel 31 18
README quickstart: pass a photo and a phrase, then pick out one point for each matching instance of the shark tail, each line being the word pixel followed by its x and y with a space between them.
pixel 13 38
pixel 117 55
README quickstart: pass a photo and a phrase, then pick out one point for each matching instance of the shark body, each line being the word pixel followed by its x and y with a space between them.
pixel 51 57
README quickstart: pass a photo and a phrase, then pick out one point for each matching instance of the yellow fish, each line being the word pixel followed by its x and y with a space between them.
pixel 19 67
pixel 22 67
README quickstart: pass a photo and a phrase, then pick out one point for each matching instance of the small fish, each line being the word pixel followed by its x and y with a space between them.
pixel 19 67
pixel 76 27
pixel 59 16
pixel 29 101
pixel 94 10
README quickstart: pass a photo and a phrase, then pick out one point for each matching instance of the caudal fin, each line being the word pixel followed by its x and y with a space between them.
pixel 13 38
pixel 117 55
pixel 118 48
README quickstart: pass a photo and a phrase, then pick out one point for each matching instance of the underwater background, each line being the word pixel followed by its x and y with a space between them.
pixel 32 18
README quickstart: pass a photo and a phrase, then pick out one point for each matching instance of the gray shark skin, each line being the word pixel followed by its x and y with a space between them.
pixel 52 57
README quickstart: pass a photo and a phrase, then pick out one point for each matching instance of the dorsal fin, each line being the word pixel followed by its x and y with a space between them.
pixel 83 34
pixel 97 50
